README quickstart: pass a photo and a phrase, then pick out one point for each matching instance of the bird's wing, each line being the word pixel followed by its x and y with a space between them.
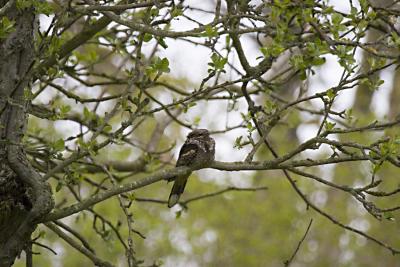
pixel 187 154
pixel 211 146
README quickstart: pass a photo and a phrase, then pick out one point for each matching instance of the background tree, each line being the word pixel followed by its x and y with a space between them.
pixel 98 96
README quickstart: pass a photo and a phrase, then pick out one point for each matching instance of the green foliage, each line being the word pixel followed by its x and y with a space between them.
pixel 159 66
pixel 238 143
pixel 147 37
pixel 161 42
pixel 372 83
pixel 337 25
pixel 274 50
pixel 6 27
pixel 90 55
pixel 59 145
pixel 41 7
pixel 210 31
pixel 217 63
pixel 329 125
pixel 177 11
pixel 64 110
pixel 331 94
pixel 24 4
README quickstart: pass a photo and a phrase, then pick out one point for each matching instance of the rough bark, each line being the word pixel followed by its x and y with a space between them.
pixel 24 196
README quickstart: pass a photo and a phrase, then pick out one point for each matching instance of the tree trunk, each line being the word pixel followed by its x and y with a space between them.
pixel 24 196
pixel 364 95
pixel 394 108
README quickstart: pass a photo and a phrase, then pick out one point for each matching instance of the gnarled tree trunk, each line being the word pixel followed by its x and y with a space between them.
pixel 24 196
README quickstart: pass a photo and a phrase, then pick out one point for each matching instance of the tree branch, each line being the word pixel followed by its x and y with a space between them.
pixel 289 261
pixel 80 248
pixel 158 176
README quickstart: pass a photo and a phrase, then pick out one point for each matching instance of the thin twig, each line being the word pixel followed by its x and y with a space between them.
pixel 76 234
pixel 74 244
pixel 44 246
pixel 289 261
pixel 5 8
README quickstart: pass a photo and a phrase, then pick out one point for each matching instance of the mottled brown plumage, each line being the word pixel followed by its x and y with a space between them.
pixel 197 152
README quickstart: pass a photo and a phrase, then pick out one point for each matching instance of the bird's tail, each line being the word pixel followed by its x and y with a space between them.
pixel 177 190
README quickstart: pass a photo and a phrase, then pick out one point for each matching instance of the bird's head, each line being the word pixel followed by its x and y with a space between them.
pixel 198 133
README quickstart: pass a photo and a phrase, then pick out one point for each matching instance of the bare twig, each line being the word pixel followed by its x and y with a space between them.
pixel 289 261
pixel 76 234
pixel 97 261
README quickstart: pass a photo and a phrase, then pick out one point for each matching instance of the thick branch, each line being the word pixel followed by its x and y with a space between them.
pixel 158 176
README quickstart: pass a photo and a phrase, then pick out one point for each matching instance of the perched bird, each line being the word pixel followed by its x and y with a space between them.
pixel 197 152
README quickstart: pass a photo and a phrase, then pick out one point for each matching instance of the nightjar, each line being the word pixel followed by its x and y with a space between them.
pixel 197 152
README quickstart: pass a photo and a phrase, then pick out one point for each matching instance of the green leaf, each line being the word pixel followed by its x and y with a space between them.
pixel 372 83
pixel 147 37
pixel 43 7
pixel 250 127
pixel 164 65
pixel 23 4
pixel 389 216
pixel 86 113
pixel 218 62
pixel 303 75
pixel 27 94
pixel 364 5
pixel 178 214
pixel 371 15
pixel 64 109
pixel 238 143
pixel 349 115
pixel 131 197
pixel 162 42
pixel 329 125
pixel 372 154
pixel 395 38
pixel 59 186
pixel 376 168
pixel 318 61
pixel 297 61
pixel 176 11
pixel 154 12
pixel 6 27
pixel 90 55
pixel 185 108
pixel 274 49
pixel 337 18
pixel 159 65
pixel 107 128
pixel 197 120
pixel 59 145
pixel 210 31
pixel 330 94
